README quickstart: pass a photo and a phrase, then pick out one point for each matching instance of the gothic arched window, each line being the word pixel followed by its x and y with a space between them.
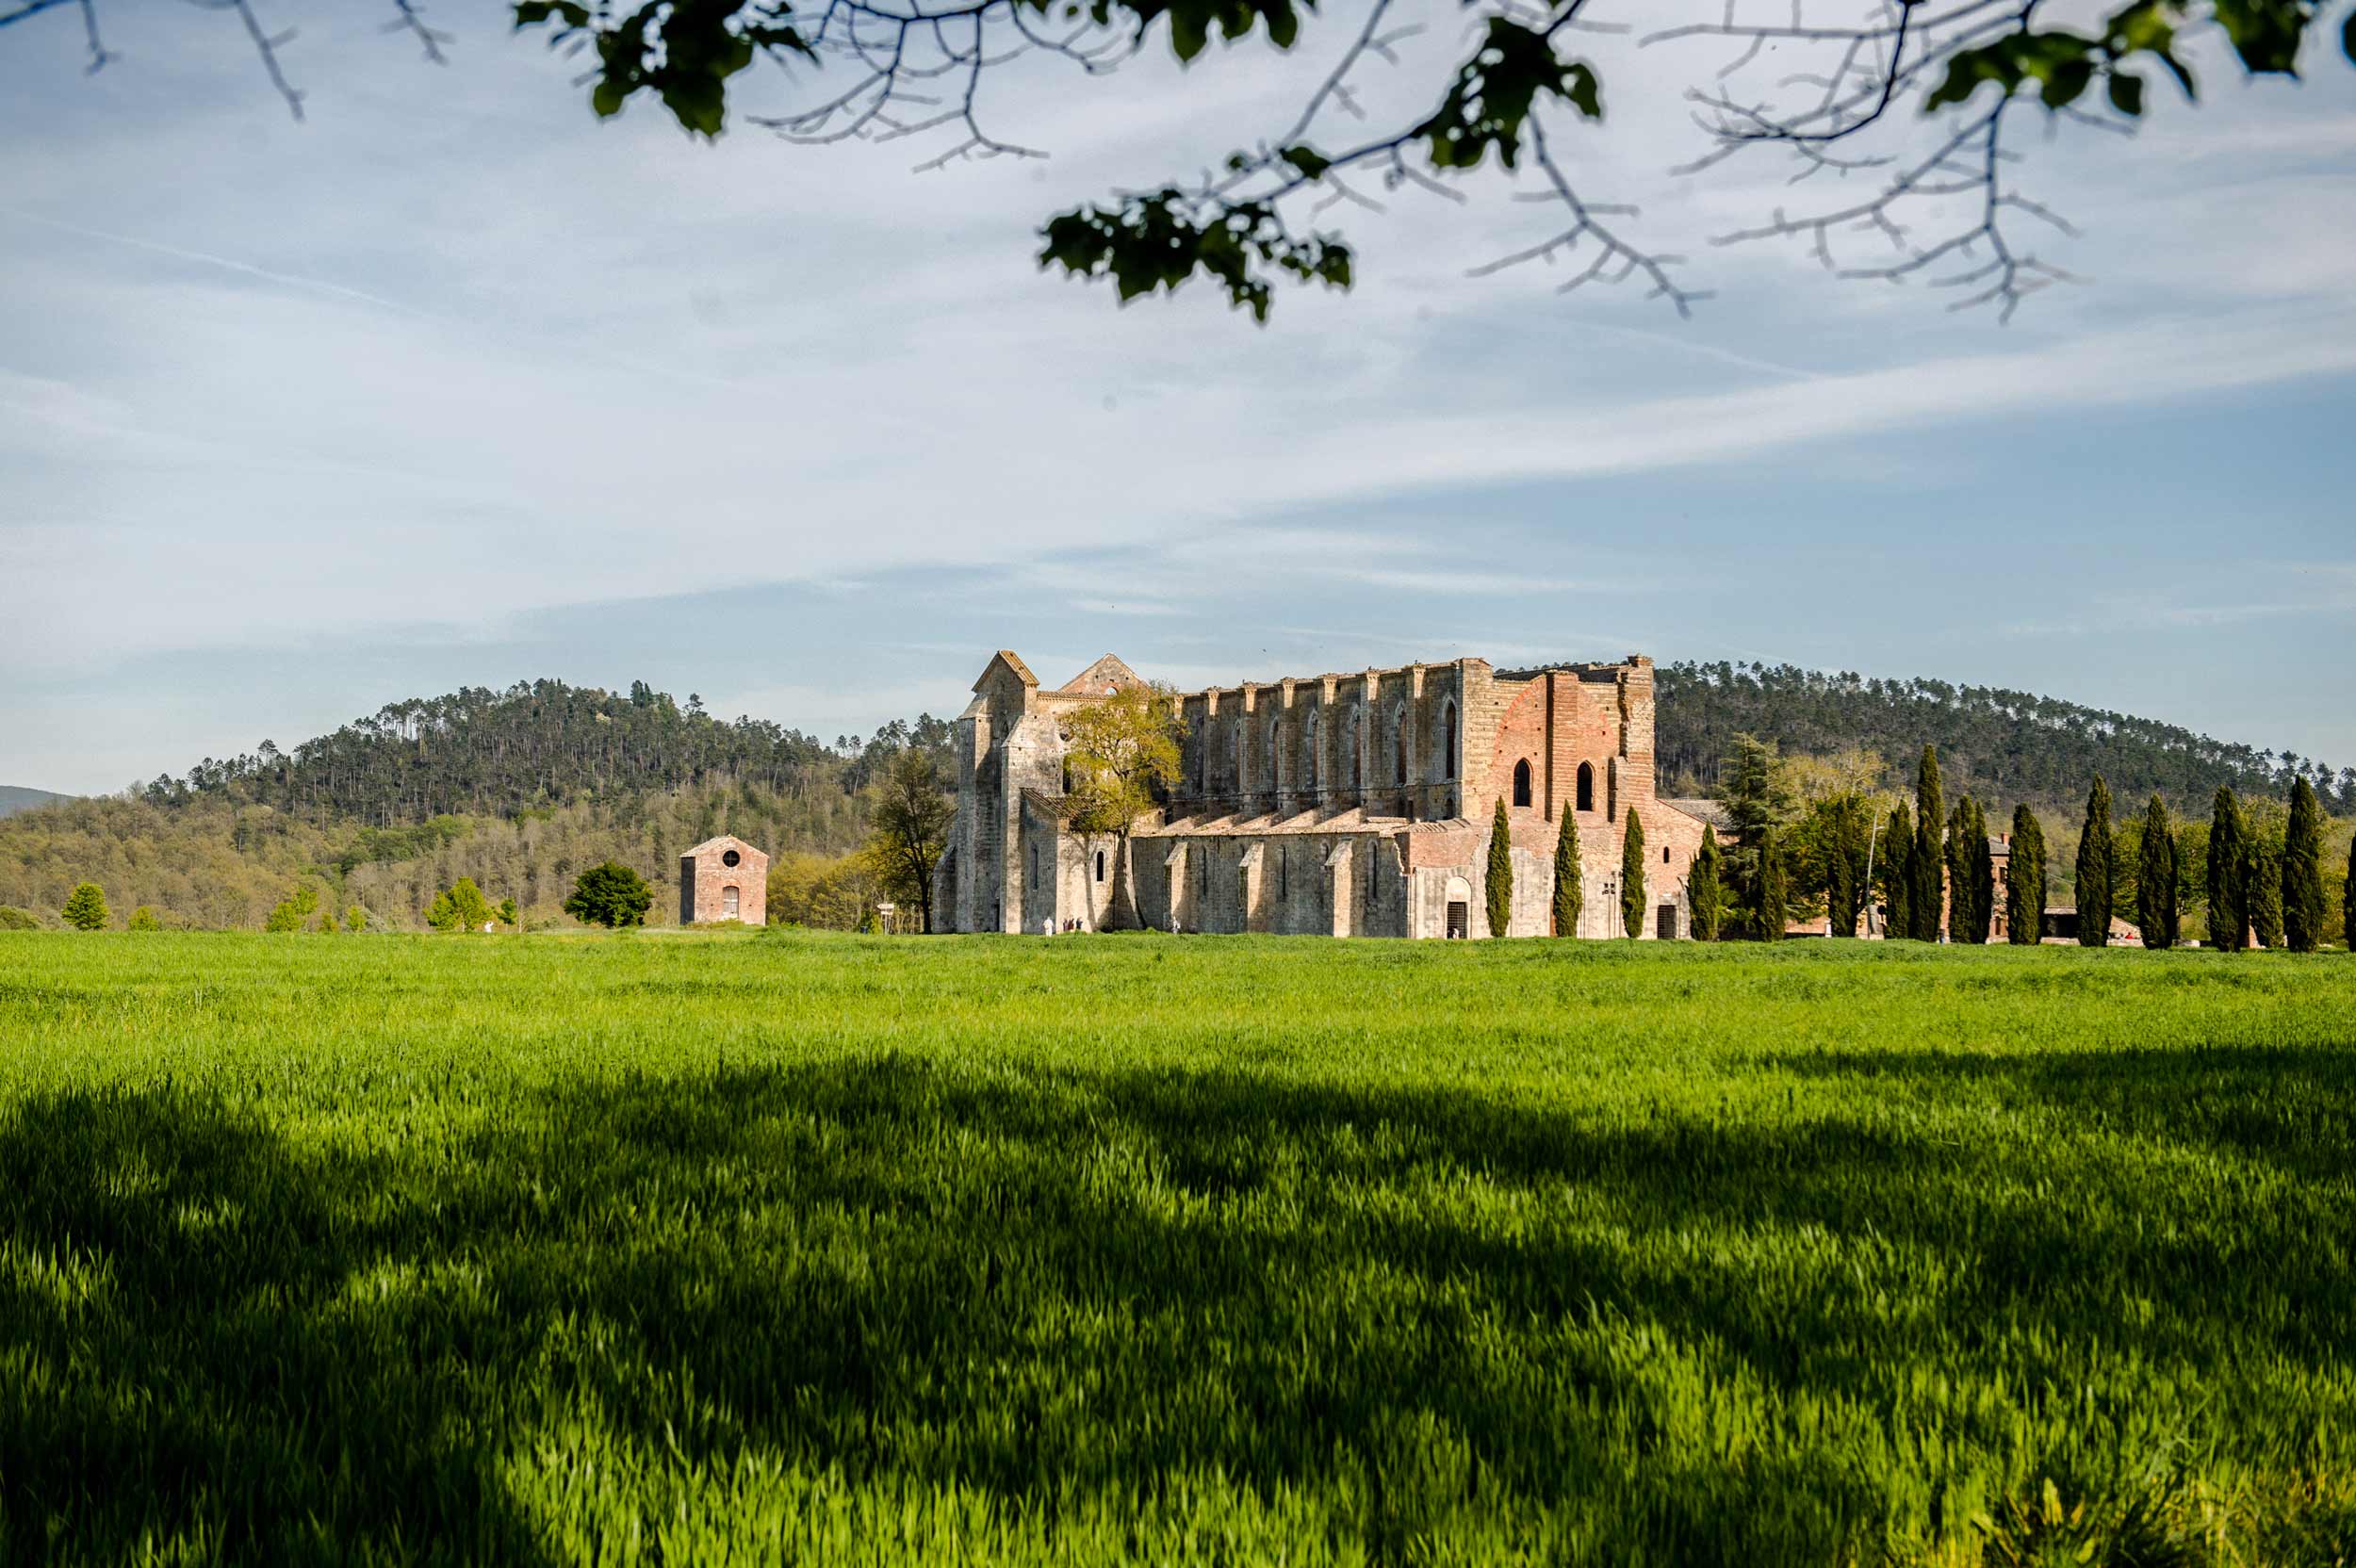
pixel 1586 787
pixel 1521 783
pixel 1447 741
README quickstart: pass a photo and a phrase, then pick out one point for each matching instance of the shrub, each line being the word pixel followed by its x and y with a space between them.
pixel 610 895
pixel 86 910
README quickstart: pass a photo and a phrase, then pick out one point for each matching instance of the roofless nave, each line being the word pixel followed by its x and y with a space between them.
pixel 1336 804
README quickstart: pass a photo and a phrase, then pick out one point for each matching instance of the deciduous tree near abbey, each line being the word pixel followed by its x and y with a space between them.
pixel 912 817
pixel 2157 908
pixel 1501 88
pixel 1501 872
pixel 2302 871
pixel 2095 882
pixel 1632 901
pixel 1123 754
pixel 86 907
pixel 610 894
pixel 1570 890
pixel 2024 881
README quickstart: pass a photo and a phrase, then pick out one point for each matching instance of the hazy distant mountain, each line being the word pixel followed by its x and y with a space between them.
pixel 15 798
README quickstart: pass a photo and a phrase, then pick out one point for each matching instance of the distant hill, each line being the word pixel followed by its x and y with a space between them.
pixel 16 797
pixel 535 744
pixel 2002 746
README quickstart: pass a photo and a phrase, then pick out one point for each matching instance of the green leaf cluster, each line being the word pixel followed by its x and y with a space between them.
pixel 1159 239
pixel 1494 92
pixel 684 51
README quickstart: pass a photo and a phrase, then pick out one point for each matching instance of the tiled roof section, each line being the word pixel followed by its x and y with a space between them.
pixel 723 842
pixel 1014 661
pixel 1103 678
pixel 1702 810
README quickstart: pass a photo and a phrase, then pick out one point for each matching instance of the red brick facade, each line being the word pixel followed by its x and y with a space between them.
pixel 723 878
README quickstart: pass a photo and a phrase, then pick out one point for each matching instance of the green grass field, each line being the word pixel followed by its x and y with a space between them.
pixel 1207 1249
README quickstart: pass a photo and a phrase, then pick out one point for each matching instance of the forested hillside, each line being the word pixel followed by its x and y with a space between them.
pixel 519 788
pixel 536 744
pixel 2001 745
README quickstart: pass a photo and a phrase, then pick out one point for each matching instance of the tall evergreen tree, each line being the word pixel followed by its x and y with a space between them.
pixel 1897 874
pixel 2302 871
pixel 1633 902
pixel 1839 826
pixel 1770 899
pixel 1925 896
pixel 2229 912
pixel 1956 862
pixel 2024 881
pixel 2095 880
pixel 1501 872
pixel 2348 901
pixel 1570 890
pixel 1974 898
pixel 2156 907
pixel 2262 884
pixel 1706 889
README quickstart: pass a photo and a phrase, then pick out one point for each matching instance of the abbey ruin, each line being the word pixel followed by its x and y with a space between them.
pixel 1337 805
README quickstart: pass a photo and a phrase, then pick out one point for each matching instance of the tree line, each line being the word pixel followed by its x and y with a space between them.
pixel 1995 743
pixel 1817 836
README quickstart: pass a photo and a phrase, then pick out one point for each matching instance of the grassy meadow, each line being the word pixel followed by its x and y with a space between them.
pixel 782 1248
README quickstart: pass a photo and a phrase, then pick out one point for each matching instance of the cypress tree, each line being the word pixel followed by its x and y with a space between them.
pixel 2348 901
pixel 2229 915
pixel 1501 872
pixel 2302 871
pixel 1898 873
pixel 2156 907
pixel 1925 897
pixel 1632 877
pixel 1570 893
pixel 2024 881
pixel 1955 861
pixel 1770 893
pixel 1706 889
pixel 1975 904
pixel 2262 885
pixel 2095 869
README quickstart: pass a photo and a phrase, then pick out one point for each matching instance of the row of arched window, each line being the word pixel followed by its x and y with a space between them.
pixel 1308 774
pixel 1586 787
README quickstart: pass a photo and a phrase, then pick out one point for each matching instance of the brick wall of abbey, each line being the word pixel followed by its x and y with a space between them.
pixel 1339 805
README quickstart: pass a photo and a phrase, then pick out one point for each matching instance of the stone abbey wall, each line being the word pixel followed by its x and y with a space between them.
pixel 1338 805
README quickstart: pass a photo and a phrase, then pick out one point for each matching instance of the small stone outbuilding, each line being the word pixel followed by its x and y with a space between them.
pixel 723 878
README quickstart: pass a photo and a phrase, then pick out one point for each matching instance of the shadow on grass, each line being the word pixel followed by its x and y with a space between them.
pixel 1415 1306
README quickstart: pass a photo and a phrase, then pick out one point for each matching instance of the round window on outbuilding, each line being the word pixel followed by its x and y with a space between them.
pixel 730 857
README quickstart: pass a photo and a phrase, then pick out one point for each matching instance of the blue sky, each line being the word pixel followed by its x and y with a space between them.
pixel 451 386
